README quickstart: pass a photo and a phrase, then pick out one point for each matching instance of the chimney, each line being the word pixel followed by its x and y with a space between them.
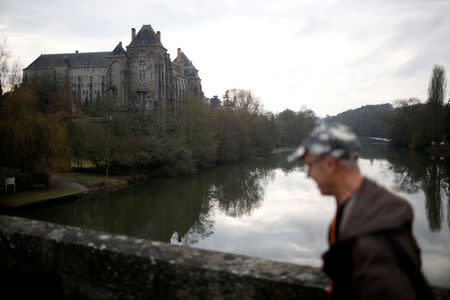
pixel 180 61
pixel 120 43
pixel 76 51
pixel 133 33
pixel 158 34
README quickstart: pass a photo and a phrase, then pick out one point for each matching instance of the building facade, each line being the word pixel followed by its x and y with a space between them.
pixel 142 75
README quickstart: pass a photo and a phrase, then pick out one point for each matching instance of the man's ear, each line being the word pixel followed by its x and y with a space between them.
pixel 331 163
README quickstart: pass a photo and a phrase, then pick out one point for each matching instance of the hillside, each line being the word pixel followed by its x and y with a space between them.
pixel 368 120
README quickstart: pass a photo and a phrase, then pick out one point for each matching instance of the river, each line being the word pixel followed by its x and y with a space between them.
pixel 266 208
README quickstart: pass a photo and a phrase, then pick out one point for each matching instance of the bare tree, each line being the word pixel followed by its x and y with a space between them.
pixel 4 58
pixel 238 99
pixel 15 73
pixel 10 72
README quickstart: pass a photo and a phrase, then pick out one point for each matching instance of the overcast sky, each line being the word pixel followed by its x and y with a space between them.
pixel 327 55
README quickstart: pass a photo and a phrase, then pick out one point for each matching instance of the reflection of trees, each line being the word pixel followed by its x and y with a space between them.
pixel 432 188
pixel 152 211
pixel 408 169
pixel 200 230
pixel 163 207
pixel 413 171
pixel 448 210
pixel 204 220
pixel 289 167
pixel 239 191
pixel 373 149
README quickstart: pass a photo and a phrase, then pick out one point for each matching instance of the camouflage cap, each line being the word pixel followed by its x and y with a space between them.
pixel 333 139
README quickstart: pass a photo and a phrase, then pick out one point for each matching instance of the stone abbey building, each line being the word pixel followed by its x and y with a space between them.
pixel 142 75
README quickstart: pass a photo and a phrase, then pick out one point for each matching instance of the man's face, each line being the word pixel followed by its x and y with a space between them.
pixel 318 170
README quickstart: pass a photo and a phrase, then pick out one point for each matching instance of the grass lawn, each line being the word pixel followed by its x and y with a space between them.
pixel 84 164
pixel 21 198
pixel 89 180
pixel 85 179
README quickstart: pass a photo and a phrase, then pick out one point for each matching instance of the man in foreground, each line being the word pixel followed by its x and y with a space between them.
pixel 372 253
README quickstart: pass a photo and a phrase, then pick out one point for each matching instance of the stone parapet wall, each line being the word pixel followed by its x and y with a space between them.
pixel 73 263
pixel 81 263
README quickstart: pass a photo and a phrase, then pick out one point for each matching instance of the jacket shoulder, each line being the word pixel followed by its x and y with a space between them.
pixel 374 208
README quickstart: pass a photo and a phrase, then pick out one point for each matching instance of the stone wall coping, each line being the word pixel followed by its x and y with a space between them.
pixel 118 266
pixel 129 263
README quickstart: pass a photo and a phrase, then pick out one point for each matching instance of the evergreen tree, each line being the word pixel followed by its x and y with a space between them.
pixel 435 104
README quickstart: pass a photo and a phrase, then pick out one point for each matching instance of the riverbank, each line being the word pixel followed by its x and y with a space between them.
pixel 439 151
pixel 62 185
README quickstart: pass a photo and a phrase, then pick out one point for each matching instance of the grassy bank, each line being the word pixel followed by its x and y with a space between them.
pixel 12 199
pixel 85 178
pixel 62 185
pixel 93 181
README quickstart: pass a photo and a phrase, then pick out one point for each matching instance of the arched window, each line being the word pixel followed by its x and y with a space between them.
pixel 116 68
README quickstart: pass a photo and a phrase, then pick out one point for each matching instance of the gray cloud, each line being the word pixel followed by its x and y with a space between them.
pixel 374 31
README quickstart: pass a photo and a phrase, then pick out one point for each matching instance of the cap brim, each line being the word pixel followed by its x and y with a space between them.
pixel 298 153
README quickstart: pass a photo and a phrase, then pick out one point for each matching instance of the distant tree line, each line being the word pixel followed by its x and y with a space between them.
pixel 192 136
pixel 368 120
pixel 417 125
pixel 43 128
pixel 408 123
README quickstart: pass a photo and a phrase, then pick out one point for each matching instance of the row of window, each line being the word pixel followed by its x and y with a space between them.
pixel 95 84
pixel 86 92
pixel 141 65
pixel 91 70
pixel 141 55
pixel 87 77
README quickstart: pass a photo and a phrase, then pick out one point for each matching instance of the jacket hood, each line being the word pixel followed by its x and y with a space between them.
pixel 373 209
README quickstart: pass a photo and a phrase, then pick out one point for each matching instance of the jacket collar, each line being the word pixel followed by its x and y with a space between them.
pixel 371 209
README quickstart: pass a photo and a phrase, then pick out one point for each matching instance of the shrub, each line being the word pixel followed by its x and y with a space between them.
pixel 41 178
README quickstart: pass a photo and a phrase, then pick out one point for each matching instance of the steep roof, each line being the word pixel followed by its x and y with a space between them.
pixel 190 72
pixel 189 69
pixel 145 37
pixel 118 50
pixel 73 60
pixel 187 62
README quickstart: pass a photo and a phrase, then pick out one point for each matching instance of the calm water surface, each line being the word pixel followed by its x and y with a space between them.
pixel 266 208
